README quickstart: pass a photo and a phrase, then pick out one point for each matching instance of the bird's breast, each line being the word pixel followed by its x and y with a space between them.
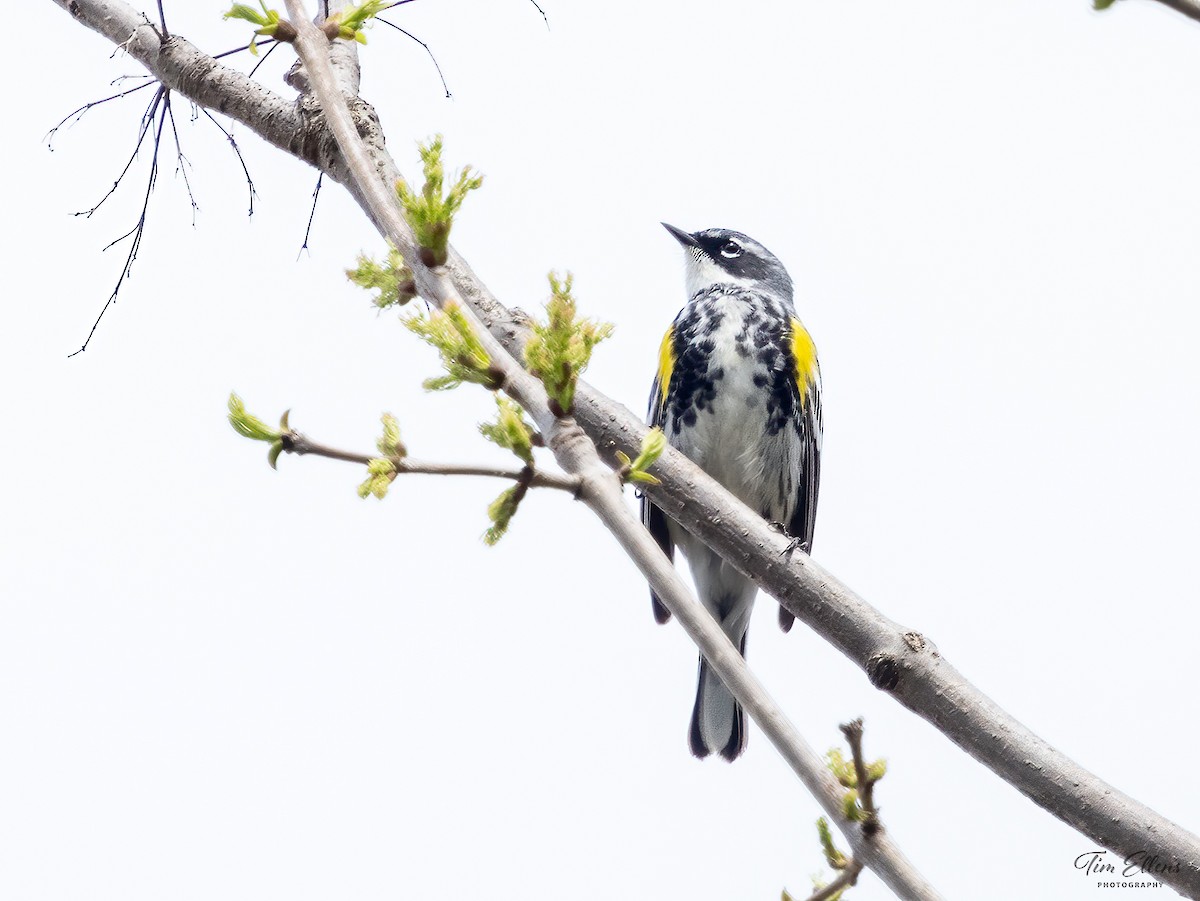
pixel 723 409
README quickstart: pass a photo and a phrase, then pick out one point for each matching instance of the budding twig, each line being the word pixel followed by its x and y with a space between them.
pixel 300 444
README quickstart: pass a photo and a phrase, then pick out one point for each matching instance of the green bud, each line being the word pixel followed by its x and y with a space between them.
pixel 653 446
pixel 560 349
pixel 877 770
pixel 510 430
pixel 834 857
pixel 390 444
pixel 842 769
pixel 252 15
pixel 501 512
pixel 463 355
pixel 248 425
pixel 430 212
pixel 850 807
pixel 380 474
pixel 392 280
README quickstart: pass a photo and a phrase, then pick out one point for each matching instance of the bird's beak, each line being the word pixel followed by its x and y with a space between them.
pixel 681 236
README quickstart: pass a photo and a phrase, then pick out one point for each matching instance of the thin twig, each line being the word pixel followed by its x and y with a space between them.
pixel 311 214
pixel 148 118
pixel 237 152
pixel 445 87
pixel 853 731
pixel 78 114
pixel 265 57
pixel 543 12
pixel 244 48
pixel 182 161
pixel 162 21
pixel 300 444
pixel 139 229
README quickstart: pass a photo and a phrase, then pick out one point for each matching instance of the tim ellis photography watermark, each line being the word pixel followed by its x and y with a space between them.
pixel 1138 870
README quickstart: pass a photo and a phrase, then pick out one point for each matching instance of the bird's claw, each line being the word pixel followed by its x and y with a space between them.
pixel 794 542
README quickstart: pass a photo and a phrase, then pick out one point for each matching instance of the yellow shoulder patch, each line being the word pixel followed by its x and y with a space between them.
pixel 666 363
pixel 804 352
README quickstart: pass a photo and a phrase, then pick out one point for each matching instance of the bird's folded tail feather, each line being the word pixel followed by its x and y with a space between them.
pixel 718 722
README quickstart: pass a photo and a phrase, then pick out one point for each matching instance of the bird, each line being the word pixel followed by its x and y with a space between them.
pixel 738 391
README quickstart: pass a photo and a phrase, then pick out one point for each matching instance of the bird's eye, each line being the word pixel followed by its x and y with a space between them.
pixel 731 249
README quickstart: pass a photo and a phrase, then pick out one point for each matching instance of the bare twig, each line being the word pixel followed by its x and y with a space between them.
pixel 79 113
pixel 543 12
pixel 139 228
pixel 244 48
pixel 263 59
pixel 148 119
pixel 182 161
pixel 162 21
pixel 238 153
pixel 311 214
pixel 445 87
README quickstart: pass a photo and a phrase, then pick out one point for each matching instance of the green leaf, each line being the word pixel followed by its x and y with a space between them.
pixel 248 13
pixel 248 425
pixel 1102 4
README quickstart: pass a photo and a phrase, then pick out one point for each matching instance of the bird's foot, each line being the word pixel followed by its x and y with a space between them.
pixel 793 542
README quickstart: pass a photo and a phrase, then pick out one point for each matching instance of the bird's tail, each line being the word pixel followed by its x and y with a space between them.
pixel 718 722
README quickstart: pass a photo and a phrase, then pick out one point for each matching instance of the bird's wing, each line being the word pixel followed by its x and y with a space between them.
pixel 807 380
pixel 652 517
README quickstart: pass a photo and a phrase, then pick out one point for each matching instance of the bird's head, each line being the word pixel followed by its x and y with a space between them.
pixel 721 256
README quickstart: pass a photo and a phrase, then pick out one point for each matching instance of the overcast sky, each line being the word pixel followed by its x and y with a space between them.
pixel 219 681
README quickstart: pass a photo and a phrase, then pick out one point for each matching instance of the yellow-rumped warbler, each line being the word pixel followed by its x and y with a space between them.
pixel 738 390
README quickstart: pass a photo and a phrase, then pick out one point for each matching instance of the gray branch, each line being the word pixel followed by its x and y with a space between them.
pixel 901 662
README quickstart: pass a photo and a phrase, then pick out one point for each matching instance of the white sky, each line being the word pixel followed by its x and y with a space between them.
pixel 217 681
